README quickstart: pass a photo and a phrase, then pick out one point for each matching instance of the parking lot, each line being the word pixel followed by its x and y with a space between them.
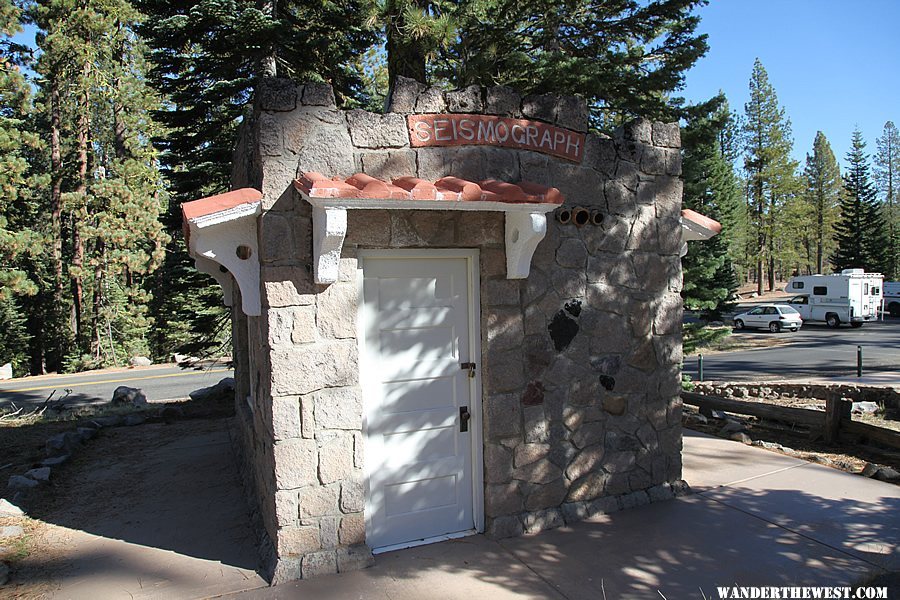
pixel 816 351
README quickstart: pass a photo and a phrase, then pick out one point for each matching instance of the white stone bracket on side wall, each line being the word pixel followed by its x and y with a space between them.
pixel 228 239
pixel 526 226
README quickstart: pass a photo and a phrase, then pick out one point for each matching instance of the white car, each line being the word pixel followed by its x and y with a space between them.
pixel 773 317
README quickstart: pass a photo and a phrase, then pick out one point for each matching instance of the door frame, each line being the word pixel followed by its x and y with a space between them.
pixel 476 429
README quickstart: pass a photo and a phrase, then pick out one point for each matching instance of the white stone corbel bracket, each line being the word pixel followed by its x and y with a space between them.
pixel 524 231
pixel 329 230
pixel 526 225
pixel 228 238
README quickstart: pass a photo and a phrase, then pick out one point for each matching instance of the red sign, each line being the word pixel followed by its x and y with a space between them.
pixel 465 130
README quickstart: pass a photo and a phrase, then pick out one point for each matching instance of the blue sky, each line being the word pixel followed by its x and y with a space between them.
pixel 833 63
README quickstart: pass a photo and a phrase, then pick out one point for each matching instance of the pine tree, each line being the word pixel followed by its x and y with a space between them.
pixel 207 56
pixel 16 182
pixel 887 180
pixel 770 169
pixel 104 198
pixel 626 58
pixel 860 231
pixel 823 194
pixel 711 188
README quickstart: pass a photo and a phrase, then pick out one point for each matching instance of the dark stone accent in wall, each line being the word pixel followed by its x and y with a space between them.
pixel 563 329
pixel 607 382
pixel 573 307
pixel 534 394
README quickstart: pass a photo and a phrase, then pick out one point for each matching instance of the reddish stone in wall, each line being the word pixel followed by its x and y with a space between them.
pixel 489 130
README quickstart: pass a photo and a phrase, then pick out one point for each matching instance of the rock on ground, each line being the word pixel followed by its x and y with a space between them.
pixel 18 482
pixel 11 531
pixel 128 396
pixel 224 390
pixel 8 509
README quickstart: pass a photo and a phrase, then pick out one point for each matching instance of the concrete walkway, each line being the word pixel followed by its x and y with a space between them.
pixel 757 518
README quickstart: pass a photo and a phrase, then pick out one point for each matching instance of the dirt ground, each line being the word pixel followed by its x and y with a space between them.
pixel 797 442
pixel 138 511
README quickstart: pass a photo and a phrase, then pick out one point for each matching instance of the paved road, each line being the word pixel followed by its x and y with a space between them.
pixel 158 383
pixel 813 352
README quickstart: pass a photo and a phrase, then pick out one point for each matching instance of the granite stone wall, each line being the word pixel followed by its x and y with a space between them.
pixel 581 360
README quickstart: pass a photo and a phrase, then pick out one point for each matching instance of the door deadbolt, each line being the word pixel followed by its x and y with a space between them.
pixel 470 366
pixel 464 417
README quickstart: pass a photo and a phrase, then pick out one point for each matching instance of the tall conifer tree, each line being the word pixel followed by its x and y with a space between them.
pixel 770 169
pixel 711 188
pixel 861 233
pixel 823 194
pixel 887 181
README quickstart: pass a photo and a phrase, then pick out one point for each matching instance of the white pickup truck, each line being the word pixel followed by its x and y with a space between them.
pixel 853 297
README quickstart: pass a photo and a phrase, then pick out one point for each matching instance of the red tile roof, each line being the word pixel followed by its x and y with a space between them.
pixel 701 220
pixel 214 204
pixel 455 189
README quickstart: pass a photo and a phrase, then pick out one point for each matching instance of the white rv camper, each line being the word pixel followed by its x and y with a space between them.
pixel 853 296
pixel 891 294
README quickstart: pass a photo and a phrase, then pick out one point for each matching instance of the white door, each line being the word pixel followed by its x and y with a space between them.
pixel 422 406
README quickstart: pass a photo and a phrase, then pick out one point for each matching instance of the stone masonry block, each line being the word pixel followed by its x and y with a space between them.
pixel 318 94
pixel 404 95
pixel 319 563
pixel 431 101
pixel 600 153
pixel 317 501
pixel 303 369
pixel 295 463
pixel 285 417
pixel 277 94
pixel 502 100
pixel 502 417
pixel 354 558
pixel 505 329
pixel 368 227
pixel 667 135
pixel 353 530
pixel 502 499
pixel 353 495
pixel 389 165
pixel 303 328
pixel 572 113
pixel 466 100
pixel 328 531
pixel 541 107
pixel 336 459
pixel 287 286
pixel 498 464
pixel 339 408
pixel 337 308
pixel 654 161
pixel 638 130
pixel 369 130
pixel 667 314
pixel 271 135
pixel 286 507
pixel 297 541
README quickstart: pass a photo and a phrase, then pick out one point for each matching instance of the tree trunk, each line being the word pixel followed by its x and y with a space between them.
pixel 405 57
pixel 268 63
pixel 56 177
pixel 82 137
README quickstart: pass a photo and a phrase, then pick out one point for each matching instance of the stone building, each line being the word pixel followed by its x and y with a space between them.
pixel 460 316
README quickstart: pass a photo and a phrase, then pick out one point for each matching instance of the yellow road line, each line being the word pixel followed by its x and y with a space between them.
pixel 63 385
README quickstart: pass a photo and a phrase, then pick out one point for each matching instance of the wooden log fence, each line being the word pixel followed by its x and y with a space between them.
pixel 834 422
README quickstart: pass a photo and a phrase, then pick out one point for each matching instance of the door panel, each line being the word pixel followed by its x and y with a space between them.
pixel 416 328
